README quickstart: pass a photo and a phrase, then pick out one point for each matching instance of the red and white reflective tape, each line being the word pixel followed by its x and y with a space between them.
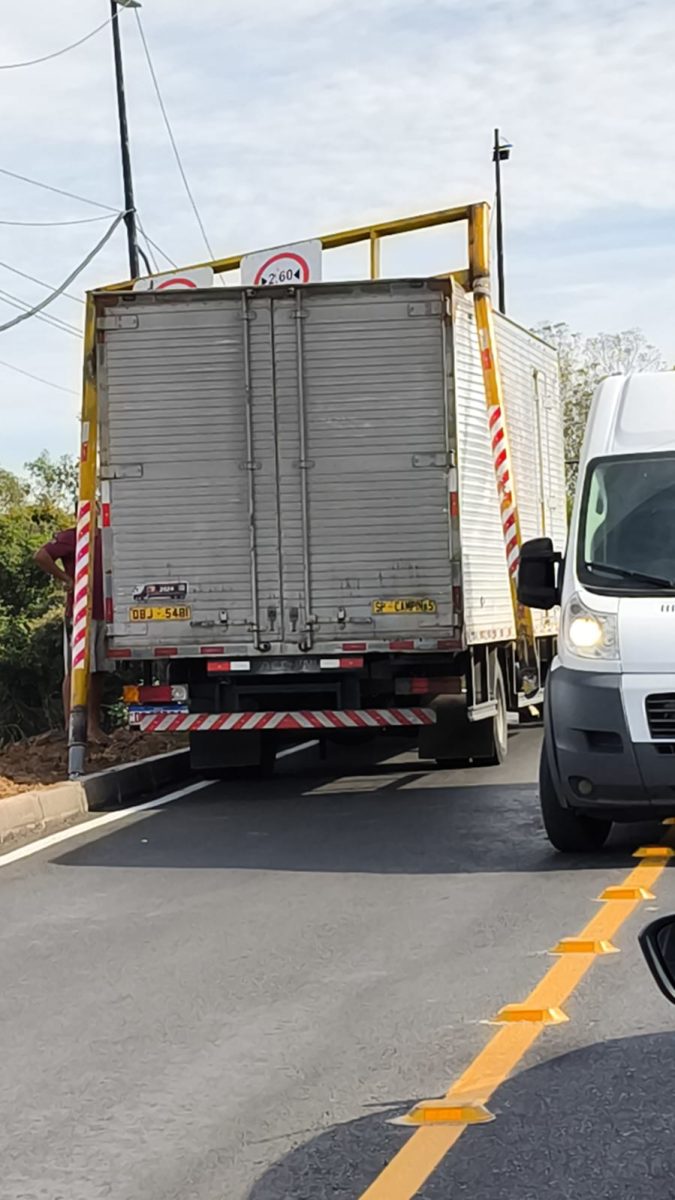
pixel 500 459
pixel 352 718
pixel 81 584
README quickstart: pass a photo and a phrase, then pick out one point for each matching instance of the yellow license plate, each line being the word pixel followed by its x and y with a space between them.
pixel 163 612
pixel 402 608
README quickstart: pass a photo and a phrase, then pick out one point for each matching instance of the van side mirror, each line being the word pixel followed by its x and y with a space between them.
pixel 658 946
pixel 537 574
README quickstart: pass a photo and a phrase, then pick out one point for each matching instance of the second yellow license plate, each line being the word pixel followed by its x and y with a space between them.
pixel 405 608
pixel 162 612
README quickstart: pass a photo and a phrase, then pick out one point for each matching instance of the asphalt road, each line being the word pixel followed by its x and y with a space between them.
pixel 230 998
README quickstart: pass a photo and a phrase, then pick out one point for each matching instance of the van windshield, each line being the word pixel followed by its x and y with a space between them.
pixel 627 528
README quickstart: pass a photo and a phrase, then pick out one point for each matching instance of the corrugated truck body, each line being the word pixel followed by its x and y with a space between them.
pixel 287 466
pixel 290 475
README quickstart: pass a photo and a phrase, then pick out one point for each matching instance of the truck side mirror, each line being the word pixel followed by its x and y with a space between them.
pixel 537 574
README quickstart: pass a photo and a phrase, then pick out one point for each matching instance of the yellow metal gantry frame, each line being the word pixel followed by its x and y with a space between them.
pixel 475 279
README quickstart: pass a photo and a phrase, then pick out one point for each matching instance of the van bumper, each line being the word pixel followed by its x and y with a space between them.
pixel 597 766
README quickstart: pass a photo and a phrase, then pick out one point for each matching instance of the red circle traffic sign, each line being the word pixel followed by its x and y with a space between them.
pixel 288 255
pixel 176 281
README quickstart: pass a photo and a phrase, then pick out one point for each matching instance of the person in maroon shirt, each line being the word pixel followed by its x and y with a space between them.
pixel 61 549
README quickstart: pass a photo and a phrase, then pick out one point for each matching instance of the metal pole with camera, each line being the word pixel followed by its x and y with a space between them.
pixel 501 152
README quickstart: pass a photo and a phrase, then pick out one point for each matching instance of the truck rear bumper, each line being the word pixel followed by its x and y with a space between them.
pixel 590 747
pixel 326 720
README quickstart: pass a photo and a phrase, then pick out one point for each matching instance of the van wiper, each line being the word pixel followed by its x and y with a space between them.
pixel 624 573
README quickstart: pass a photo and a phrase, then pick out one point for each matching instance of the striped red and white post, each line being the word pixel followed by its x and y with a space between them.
pixel 81 586
pixel 500 458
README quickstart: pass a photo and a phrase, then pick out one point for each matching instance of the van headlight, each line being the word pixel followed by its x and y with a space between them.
pixel 589 634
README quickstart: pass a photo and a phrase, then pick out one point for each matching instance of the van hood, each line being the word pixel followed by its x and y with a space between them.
pixel 647 634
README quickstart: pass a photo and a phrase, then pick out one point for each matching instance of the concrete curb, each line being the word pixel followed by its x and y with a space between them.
pixel 36 809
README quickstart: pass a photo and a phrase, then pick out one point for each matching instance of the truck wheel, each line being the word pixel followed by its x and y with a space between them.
pixel 567 830
pixel 483 743
pixel 497 728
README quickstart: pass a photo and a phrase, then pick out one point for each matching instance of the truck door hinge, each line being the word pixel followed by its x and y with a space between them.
pixel 442 460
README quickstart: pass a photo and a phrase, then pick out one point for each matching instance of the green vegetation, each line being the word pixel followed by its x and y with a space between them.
pixel 32 509
pixel 584 362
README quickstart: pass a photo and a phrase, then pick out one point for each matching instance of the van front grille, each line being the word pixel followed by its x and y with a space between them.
pixel 661 715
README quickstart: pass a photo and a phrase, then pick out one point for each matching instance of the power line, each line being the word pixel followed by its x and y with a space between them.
pixel 32 62
pixel 66 283
pixel 56 322
pixel 171 136
pixel 156 247
pixel 48 187
pixel 38 378
pixel 34 279
pixel 52 224
pixel 150 252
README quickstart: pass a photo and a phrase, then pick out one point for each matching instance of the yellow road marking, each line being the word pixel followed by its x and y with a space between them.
pixel 657 852
pixel 407 1171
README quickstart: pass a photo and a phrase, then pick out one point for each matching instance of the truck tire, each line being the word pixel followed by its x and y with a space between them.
pixel 568 831
pixel 496 732
pixel 479 743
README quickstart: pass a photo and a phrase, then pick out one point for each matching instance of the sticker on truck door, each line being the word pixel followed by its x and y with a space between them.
pixel 402 608
pixel 164 592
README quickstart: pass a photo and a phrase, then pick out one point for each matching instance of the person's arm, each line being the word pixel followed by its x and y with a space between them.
pixel 46 563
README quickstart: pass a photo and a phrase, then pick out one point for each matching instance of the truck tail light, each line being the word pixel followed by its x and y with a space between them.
pixel 227 664
pixel 109 610
pixel 423 685
pixel 344 664
pixel 176 693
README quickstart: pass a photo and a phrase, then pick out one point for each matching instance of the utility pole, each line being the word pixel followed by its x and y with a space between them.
pixel 501 153
pixel 130 209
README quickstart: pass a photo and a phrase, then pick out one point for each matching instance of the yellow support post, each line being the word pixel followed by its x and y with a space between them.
pixel 84 553
pixel 479 263
pixel 476 280
pixel 375 256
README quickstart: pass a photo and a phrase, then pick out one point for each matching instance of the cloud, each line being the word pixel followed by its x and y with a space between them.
pixel 300 117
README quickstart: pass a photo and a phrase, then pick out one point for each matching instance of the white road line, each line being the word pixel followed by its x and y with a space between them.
pixel 296 749
pixel 111 818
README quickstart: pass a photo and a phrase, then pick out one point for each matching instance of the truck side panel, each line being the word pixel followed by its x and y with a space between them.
pixel 488 610
pixel 529 371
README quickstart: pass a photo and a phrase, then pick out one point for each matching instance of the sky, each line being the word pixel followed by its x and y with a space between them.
pixel 300 117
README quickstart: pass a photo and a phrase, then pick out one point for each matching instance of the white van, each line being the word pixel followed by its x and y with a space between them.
pixel 609 745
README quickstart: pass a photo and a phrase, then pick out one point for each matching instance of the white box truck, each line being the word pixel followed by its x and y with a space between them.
pixel 301 517
pixel 609 749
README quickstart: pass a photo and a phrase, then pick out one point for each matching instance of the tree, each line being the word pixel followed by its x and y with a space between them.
pixel 53 481
pixel 584 362
pixel 31 608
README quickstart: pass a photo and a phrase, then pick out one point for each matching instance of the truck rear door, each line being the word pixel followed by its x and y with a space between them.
pixel 276 467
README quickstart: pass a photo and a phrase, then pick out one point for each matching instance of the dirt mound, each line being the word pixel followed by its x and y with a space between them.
pixel 41 760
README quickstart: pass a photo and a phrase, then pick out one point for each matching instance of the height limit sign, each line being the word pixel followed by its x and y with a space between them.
pixel 285 265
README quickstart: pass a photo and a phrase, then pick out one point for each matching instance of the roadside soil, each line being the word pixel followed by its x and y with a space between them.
pixel 38 761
